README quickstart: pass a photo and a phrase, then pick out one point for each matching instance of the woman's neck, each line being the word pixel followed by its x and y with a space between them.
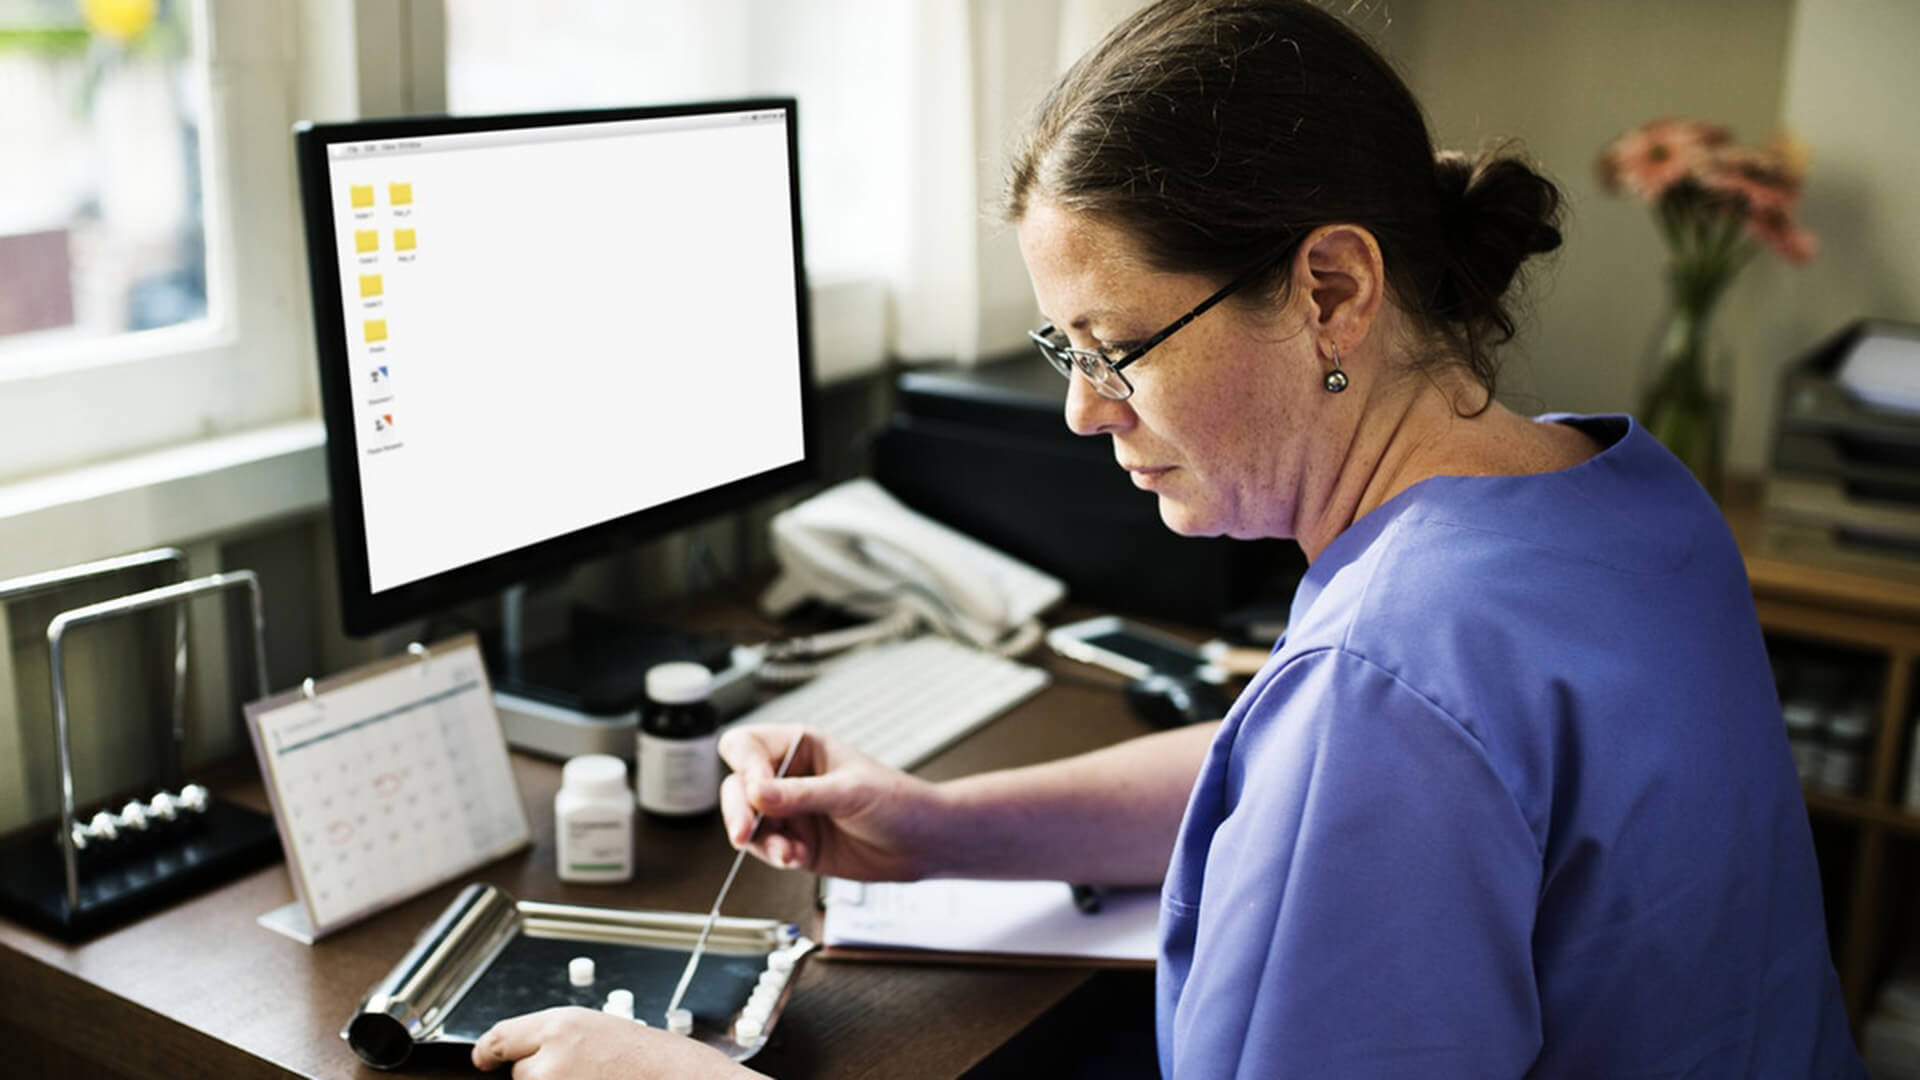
pixel 1419 433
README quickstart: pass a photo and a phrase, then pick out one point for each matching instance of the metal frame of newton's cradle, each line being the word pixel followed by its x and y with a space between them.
pixel 176 596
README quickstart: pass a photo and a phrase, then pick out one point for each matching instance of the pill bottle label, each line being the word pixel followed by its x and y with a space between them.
pixel 678 776
pixel 596 848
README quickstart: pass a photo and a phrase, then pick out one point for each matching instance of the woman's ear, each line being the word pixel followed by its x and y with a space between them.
pixel 1340 272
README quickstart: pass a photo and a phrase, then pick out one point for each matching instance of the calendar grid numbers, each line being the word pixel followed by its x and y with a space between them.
pixel 391 781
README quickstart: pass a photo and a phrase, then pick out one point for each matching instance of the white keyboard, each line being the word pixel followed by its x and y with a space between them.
pixel 903 702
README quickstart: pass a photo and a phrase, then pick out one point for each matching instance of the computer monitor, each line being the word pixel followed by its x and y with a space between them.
pixel 544 335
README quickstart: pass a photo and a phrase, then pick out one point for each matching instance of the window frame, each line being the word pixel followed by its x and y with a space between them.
pixel 66 403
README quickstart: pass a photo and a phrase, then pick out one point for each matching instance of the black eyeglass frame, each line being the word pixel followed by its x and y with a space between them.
pixel 1066 359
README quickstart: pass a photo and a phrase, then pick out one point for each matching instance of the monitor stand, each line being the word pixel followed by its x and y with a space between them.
pixel 570 680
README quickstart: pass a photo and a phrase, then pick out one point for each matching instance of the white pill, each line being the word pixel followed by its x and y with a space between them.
pixel 194 798
pixel 747 1029
pixel 680 1021
pixel 765 994
pixel 580 971
pixel 623 1010
pixel 134 815
pixel 781 961
pixel 773 980
pixel 621 997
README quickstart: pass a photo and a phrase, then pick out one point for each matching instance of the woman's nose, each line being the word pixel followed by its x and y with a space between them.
pixel 1091 413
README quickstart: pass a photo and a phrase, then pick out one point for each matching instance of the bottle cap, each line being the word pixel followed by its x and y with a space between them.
pixel 680 1021
pixel 580 971
pixel 681 682
pixel 594 774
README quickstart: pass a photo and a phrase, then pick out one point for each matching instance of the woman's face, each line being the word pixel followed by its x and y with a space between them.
pixel 1221 422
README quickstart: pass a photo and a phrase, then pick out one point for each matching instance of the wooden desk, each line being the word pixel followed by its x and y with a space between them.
pixel 201 990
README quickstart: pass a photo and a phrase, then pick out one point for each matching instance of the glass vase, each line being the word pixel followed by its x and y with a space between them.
pixel 1677 406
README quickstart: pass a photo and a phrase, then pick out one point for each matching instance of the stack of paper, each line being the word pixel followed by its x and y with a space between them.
pixel 1034 919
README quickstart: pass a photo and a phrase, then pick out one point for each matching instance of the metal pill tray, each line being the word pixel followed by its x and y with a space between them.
pixel 489 957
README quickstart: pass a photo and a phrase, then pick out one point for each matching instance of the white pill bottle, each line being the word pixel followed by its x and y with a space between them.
pixel 593 820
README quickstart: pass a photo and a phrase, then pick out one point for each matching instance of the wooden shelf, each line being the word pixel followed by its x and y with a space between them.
pixel 1874 610
pixel 1860 811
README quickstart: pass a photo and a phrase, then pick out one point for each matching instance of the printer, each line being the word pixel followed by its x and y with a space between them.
pixel 1844 486
pixel 986 450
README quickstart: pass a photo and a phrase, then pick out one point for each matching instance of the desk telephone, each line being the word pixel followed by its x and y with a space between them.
pixel 857 548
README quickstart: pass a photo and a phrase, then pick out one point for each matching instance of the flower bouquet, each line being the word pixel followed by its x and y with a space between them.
pixel 1717 205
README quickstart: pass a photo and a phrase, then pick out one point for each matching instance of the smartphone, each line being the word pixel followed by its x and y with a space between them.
pixel 1127 647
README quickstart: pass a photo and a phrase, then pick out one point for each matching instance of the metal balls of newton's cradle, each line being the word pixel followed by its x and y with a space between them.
pixel 138 817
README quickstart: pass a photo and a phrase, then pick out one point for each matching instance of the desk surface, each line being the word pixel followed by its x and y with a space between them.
pixel 201 990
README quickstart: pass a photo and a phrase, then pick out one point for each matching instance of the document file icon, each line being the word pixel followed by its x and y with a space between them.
pixel 365 240
pixel 376 330
pixel 369 285
pixel 362 195
pixel 400 194
pixel 403 239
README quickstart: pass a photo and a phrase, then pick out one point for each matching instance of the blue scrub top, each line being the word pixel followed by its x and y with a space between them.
pixel 1512 798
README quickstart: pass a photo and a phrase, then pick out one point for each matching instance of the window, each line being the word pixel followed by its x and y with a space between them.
pixel 188 304
pixel 101 212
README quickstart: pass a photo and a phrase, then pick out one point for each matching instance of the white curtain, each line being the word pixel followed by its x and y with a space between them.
pixel 907 114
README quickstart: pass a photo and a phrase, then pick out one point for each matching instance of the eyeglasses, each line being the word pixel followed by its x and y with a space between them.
pixel 1104 373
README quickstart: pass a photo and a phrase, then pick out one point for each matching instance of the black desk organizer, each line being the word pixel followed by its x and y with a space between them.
pixel 118 866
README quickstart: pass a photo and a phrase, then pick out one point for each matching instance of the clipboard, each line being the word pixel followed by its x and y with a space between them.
pixel 386 781
pixel 955 921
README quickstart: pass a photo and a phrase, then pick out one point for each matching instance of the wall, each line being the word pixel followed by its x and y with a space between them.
pixel 1850 82
pixel 1565 79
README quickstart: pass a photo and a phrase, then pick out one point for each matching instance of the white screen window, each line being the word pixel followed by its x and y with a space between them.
pixel 551 328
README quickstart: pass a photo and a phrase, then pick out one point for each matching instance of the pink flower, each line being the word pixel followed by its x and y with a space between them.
pixel 1705 188
pixel 1653 159
pixel 1775 228
pixel 1758 179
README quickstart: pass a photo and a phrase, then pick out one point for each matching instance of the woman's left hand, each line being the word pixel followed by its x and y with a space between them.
pixel 582 1044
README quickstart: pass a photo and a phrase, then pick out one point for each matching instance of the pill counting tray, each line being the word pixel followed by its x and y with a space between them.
pixel 489 957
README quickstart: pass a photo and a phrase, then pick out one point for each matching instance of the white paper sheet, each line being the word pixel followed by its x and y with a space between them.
pixel 1024 918
pixel 1883 370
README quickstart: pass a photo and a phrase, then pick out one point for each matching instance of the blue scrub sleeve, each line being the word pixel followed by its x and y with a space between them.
pixel 1368 898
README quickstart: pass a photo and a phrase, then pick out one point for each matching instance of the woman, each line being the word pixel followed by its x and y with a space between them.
pixel 1512 797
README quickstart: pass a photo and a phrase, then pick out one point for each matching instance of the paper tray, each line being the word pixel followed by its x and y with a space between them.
pixel 489 957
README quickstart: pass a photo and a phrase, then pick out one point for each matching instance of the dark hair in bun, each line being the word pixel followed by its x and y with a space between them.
pixel 1220 133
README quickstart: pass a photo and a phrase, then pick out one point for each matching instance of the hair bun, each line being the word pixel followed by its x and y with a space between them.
pixel 1495 212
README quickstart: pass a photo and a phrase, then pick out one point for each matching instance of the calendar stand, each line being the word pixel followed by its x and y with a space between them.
pixel 386 781
pixel 118 867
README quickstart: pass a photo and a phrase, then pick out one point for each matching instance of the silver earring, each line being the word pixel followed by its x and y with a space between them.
pixel 1336 379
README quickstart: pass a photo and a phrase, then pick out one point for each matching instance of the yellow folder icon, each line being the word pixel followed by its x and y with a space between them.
pixel 362 196
pixel 376 330
pixel 403 239
pixel 400 194
pixel 365 240
pixel 369 285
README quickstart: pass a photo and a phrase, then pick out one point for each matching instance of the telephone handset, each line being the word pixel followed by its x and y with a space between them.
pixel 857 548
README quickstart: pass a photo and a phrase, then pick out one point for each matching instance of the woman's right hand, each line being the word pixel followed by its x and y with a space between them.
pixel 836 812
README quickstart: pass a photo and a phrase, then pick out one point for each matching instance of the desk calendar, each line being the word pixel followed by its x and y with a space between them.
pixel 386 781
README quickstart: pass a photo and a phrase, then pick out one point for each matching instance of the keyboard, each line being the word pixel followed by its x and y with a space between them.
pixel 903 702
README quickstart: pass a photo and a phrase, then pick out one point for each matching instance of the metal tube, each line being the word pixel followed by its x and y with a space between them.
pixel 46 581
pixel 67 575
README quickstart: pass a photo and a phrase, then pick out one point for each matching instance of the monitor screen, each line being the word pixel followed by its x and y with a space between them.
pixel 543 334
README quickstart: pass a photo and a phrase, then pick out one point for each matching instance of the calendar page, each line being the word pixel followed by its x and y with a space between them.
pixel 388 781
